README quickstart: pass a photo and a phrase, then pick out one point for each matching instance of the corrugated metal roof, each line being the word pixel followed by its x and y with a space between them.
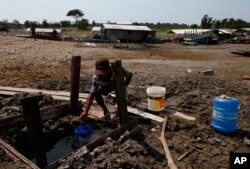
pixel 96 29
pixel 44 30
pixel 226 31
pixel 243 29
pixel 183 31
pixel 126 27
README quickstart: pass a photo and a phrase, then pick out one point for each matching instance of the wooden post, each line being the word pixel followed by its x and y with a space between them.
pixel 33 121
pixel 75 83
pixel 120 91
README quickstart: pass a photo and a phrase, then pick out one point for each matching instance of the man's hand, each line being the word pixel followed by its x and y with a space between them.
pixel 83 116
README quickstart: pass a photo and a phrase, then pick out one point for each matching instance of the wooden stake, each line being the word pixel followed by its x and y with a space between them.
pixel 75 83
pixel 165 145
pixel 120 92
pixel 33 120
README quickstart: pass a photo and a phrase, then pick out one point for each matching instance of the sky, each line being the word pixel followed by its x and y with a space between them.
pixel 123 11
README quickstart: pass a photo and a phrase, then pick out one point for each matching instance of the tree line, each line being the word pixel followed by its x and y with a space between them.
pixel 82 23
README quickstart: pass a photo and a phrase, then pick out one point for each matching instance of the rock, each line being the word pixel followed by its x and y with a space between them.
pixel 246 142
pixel 64 166
pixel 25 129
pixel 223 144
pixel 153 130
pixel 198 139
pixel 214 140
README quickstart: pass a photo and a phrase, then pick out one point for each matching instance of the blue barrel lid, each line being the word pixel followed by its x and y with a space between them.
pixel 226 103
pixel 83 130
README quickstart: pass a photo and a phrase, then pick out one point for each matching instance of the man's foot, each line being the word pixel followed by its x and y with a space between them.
pixel 107 116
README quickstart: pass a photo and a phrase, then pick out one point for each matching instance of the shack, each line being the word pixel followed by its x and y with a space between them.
pixel 96 30
pixel 45 33
pixel 125 33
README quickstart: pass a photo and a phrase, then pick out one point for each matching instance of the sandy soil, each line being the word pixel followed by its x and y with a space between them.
pixel 46 64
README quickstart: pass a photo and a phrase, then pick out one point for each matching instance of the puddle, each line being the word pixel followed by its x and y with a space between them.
pixel 61 149
pixel 68 144
pixel 184 63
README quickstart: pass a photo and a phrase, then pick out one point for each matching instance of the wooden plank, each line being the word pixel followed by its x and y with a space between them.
pixel 50 92
pixel 16 155
pixel 145 114
pixel 162 138
pixel 65 98
pixel 179 114
pixel 115 134
pixel 46 114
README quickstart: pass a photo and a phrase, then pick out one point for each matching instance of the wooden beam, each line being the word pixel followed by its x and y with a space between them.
pixel 120 91
pixel 46 114
pixel 162 138
pixel 75 84
pixel 33 121
pixel 145 114
pixel 15 155
pixel 56 97
pixel 178 114
pixel 115 134
pixel 49 92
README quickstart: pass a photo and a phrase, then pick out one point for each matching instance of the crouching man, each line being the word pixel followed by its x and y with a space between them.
pixel 102 84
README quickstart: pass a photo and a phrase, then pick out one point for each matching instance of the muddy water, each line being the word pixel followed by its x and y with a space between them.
pixel 68 144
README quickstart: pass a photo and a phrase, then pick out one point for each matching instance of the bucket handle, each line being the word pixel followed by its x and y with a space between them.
pixel 225 97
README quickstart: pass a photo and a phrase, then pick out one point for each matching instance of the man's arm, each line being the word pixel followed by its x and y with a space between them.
pixel 90 99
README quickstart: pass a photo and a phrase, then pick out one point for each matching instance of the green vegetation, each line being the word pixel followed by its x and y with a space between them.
pixel 208 22
pixel 84 26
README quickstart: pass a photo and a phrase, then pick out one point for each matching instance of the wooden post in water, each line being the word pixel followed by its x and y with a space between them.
pixel 33 121
pixel 120 92
pixel 75 84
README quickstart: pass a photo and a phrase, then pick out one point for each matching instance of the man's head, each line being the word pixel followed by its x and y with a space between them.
pixel 102 67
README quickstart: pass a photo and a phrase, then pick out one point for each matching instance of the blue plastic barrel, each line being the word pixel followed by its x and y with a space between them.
pixel 83 133
pixel 225 110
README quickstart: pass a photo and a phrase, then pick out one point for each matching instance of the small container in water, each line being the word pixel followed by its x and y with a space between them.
pixel 225 110
pixel 83 132
pixel 156 98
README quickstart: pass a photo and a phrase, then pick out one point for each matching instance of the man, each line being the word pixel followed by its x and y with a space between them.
pixel 54 33
pixel 102 84
pixel 33 31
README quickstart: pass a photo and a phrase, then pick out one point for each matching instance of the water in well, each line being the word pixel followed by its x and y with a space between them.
pixel 68 144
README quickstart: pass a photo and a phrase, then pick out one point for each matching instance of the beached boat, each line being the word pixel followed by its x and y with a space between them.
pixel 241 52
pixel 205 38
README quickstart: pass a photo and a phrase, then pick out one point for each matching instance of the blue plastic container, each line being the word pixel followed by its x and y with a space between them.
pixel 83 133
pixel 225 110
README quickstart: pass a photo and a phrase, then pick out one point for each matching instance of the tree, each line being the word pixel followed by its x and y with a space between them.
pixel 27 23
pixel 45 23
pixel 206 22
pixel 76 13
pixel 217 24
pixel 16 23
pixel 83 24
pixel 194 26
pixel 93 23
pixel 65 24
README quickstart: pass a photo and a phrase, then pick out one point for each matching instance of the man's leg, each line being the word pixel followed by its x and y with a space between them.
pixel 100 101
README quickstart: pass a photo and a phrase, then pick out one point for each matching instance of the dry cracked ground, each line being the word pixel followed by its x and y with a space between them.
pixel 46 64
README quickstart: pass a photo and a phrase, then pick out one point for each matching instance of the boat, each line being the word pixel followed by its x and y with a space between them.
pixel 241 52
pixel 204 38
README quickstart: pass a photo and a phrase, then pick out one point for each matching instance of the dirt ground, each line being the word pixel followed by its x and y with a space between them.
pixel 46 64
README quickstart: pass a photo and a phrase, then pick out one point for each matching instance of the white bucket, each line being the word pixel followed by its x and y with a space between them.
pixel 156 98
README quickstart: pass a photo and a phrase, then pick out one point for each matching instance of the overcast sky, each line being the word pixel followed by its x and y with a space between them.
pixel 167 11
